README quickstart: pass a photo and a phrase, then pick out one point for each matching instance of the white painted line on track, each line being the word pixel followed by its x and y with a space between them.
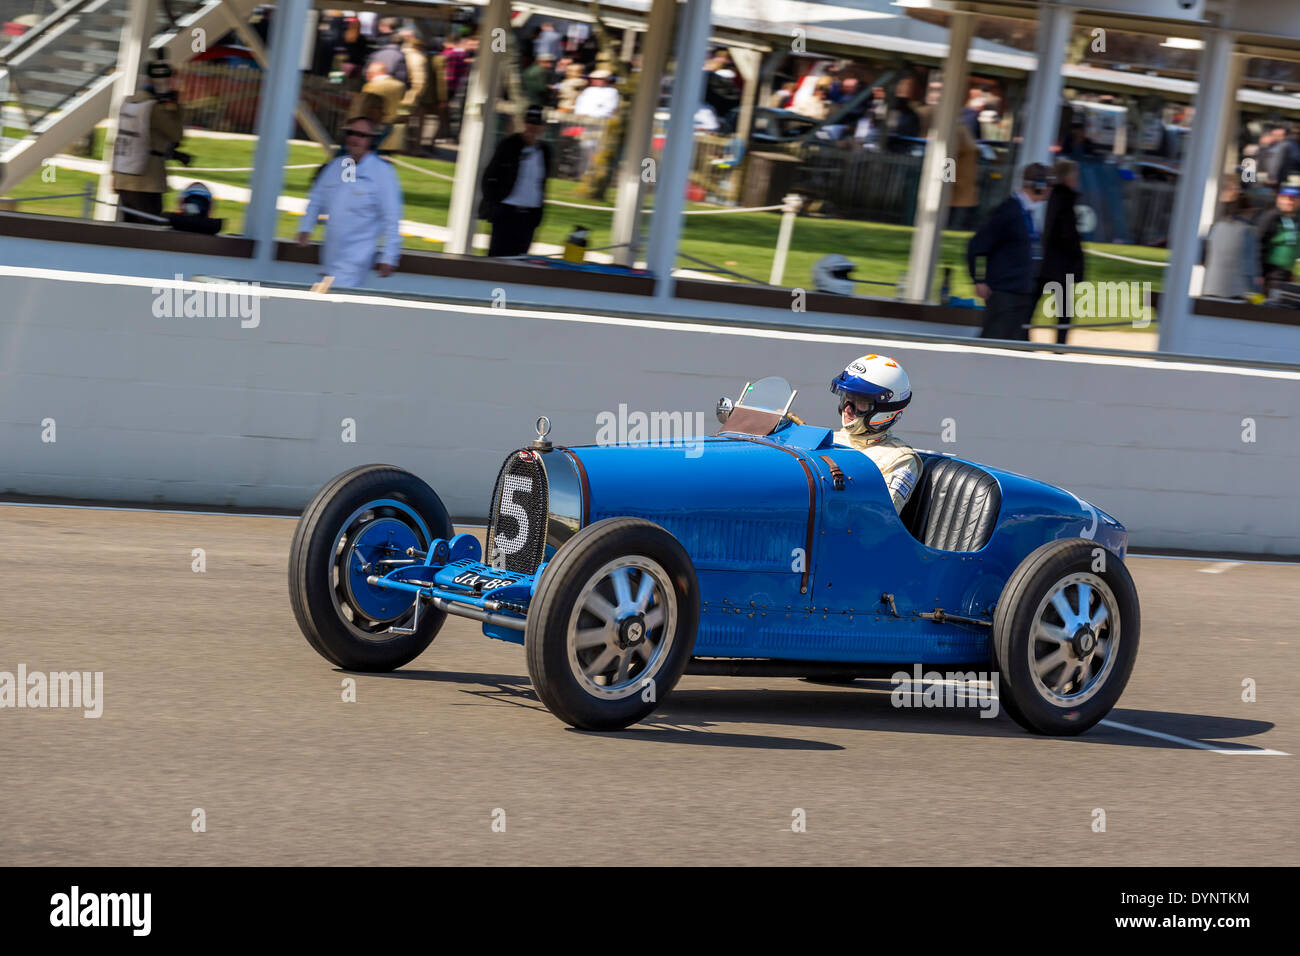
pixel 1196 744
pixel 1220 567
pixel 1202 558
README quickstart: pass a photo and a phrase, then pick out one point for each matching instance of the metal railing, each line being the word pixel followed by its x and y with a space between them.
pixel 574 141
pixel 87 197
pixel 223 97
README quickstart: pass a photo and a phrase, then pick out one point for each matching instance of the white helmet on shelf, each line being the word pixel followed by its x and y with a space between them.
pixel 831 274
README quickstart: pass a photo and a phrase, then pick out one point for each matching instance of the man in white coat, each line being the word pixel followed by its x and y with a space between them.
pixel 360 193
pixel 599 100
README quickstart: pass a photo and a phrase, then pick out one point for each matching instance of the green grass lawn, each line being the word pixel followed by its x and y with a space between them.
pixel 743 242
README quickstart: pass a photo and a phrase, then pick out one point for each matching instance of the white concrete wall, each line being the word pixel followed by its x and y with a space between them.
pixel 193 410
pixel 1252 341
pixel 153 263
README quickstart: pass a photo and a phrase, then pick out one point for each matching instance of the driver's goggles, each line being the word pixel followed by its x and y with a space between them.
pixel 862 407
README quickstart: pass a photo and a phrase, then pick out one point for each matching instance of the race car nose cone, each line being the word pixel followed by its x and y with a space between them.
pixel 1084 641
pixel 631 631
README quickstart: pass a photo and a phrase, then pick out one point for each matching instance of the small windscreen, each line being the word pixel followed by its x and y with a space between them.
pixel 770 394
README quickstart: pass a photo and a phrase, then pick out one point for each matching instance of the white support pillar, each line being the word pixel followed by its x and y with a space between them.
pixel 1224 138
pixel 934 188
pixel 675 169
pixel 306 118
pixel 477 127
pixel 749 63
pixel 626 229
pixel 1215 93
pixel 136 34
pixel 1043 109
pixel 276 107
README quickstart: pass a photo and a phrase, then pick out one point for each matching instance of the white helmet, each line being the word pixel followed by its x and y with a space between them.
pixel 831 274
pixel 878 389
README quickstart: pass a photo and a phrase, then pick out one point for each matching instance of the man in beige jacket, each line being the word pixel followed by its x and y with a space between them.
pixel 414 103
pixel 149 127
pixel 391 91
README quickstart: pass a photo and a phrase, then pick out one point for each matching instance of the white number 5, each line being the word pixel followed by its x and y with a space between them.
pixel 513 485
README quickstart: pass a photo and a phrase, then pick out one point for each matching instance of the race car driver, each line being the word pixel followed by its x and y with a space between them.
pixel 872 393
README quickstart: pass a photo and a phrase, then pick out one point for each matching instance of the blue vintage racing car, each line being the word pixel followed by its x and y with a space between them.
pixel 765 550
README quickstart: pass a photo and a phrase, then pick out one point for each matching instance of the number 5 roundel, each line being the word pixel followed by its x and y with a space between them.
pixel 517 528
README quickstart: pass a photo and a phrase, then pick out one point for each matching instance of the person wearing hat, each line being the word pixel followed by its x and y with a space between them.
pixel 599 100
pixel 538 79
pixel 571 87
pixel 360 193
pixel 514 187
pixel 149 128
pixel 1278 236
pixel 1010 244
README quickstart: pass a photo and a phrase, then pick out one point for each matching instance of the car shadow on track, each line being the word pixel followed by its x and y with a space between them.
pixel 697 717
pixel 518 690
pixel 867 705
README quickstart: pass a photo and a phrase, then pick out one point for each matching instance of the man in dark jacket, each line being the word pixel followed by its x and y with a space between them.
pixel 514 188
pixel 538 81
pixel 388 50
pixel 1011 246
pixel 1281 158
pixel 1062 248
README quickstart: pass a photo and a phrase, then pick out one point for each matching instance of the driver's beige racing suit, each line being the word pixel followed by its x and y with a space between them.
pixel 898 464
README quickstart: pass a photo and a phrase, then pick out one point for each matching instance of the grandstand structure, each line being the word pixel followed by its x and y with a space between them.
pixel 68 72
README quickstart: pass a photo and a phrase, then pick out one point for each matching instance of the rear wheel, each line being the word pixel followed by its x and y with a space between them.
pixel 613 623
pixel 1065 637
pixel 359 524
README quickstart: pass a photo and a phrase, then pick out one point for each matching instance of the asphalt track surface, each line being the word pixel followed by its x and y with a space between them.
pixel 213 700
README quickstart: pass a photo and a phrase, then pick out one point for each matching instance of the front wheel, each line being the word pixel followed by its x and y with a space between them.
pixel 360 524
pixel 612 625
pixel 1065 637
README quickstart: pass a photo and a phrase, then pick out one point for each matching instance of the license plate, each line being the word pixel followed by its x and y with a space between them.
pixel 480 582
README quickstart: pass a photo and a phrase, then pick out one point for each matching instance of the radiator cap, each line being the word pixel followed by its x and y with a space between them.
pixel 543 429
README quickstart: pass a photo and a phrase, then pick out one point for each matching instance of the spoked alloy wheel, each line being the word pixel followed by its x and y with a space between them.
pixel 1076 639
pixel 612 623
pixel 622 626
pixel 1065 636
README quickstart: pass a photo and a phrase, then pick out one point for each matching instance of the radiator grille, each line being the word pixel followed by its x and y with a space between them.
pixel 516 536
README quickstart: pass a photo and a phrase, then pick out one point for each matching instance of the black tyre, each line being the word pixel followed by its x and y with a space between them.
pixel 612 625
pixel 1065 636
pixel 358 518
